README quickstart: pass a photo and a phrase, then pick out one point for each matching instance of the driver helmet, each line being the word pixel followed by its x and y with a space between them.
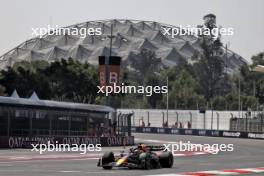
pixel 142 147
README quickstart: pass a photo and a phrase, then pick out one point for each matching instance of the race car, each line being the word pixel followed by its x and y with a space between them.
pixel 140 157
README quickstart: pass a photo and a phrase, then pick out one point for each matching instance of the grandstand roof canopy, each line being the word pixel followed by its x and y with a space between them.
pixel 34 102
pixel 130 36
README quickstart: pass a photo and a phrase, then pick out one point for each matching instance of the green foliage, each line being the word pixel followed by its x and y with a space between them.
pixel 219 103
pixel 2 90
pixel 209 69
pixel 61 80
pixel 258 59
pixel 182 94
pixel 25 79
pixel 232 101
pixel 153 80
pixel 190 86
pixel 249 102
pixel 146 63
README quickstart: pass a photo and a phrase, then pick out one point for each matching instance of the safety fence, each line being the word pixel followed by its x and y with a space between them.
pixel 195 119
pixel 198 132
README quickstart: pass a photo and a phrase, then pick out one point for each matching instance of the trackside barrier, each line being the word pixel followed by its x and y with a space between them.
pixel 26 141
pixel 198 132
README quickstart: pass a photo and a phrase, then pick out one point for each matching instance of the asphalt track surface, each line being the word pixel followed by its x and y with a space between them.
pixel 22 162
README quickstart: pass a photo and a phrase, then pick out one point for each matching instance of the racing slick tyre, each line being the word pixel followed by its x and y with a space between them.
pixel 145 161
pixel 166 159
pixel 107 158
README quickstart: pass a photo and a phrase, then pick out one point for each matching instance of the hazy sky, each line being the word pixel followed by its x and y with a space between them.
pixel 17 17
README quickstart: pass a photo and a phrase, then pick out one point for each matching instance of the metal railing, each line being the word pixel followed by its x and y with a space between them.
pixel 210 120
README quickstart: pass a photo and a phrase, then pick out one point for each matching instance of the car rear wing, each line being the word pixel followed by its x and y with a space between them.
pixel 156 148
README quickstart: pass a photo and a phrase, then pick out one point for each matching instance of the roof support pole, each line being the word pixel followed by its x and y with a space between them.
pixel 50 124
pixel 30 113
pixel 69 124
pixel 8 121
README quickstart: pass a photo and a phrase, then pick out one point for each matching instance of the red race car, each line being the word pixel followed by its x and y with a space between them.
pixel 140 157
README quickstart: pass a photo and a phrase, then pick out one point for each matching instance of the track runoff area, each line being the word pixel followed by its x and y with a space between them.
pixel 245 159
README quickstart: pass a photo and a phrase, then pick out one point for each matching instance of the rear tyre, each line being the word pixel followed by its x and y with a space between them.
pixel 107 158
pixel 166 160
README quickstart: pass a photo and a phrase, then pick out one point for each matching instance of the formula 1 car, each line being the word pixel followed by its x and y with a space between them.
pixel 141 157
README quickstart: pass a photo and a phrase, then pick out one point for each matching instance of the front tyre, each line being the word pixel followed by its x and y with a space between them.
pixel 107 158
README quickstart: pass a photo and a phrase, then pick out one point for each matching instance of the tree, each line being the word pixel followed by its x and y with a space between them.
pixel 146 63
pixel 258 59
pixel 25 80
pixel 210 67
pixel 2 90
pixel 209 71
pixel 155 98
pixel 219 103
pixel 182 91
pixel 71 80
pixel 61 80
pixel 249 103
pixel 232 101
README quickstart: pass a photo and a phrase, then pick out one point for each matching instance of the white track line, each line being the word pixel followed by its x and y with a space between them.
pixel 218 172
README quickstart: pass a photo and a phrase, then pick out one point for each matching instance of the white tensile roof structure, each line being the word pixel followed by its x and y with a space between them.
pixel 34 101
pixel 130 36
